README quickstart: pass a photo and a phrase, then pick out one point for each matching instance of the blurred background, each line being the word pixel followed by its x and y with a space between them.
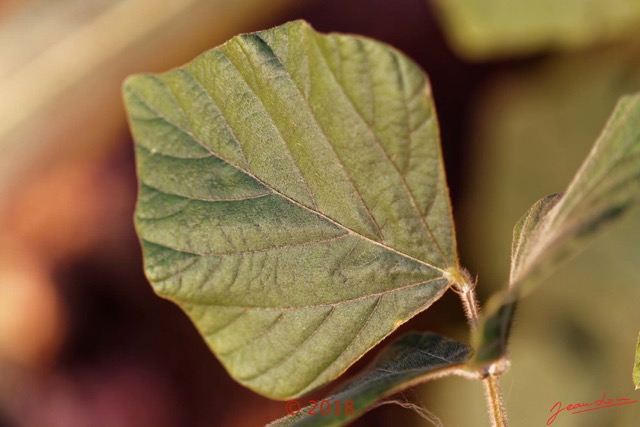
pixel 522 91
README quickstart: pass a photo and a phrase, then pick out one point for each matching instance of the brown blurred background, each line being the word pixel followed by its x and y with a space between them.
pixel 85 342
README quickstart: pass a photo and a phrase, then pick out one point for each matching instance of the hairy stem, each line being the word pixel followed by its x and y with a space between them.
pixel 462 284
pixel 470 304
pixel 493 394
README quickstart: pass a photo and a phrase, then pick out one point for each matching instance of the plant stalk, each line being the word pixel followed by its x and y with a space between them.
pixel 465 288
pixel 495 405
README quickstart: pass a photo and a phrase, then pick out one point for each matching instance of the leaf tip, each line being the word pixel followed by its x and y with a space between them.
pixel 128 82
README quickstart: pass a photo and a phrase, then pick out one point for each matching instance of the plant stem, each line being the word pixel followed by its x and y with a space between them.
pixel 493 394
pixel 465 288
pixel 470 303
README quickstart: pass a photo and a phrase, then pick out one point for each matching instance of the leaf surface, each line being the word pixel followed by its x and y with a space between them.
pixel 557 226
pixel 411 359
pixel 292 200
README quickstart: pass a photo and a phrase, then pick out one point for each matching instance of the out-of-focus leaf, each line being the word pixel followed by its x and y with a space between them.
pixel 526 228
pixel 605 187
pixel 489 28
pixel 414 358
pixel 292 200
pixel 636 366
pixel 531 130
pixel 491 338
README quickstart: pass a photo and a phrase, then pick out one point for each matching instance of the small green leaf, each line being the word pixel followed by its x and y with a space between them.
pixel 556 227
pixel 490 28
pixel 411 359
pixel 636 366
pixel 292 200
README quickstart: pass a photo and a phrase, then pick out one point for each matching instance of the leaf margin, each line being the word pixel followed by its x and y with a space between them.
pixel 360 385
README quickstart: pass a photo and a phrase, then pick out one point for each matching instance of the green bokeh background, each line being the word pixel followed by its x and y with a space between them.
pixel 574 337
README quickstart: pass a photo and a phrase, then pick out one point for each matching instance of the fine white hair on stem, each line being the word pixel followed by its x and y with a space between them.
pixel 424 413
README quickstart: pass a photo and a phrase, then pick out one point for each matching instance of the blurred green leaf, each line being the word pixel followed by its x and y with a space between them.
pixel 489 28
pixel 526 228
pixel 411 359
pixel 490 339
pixel 605 187
pixel 292 200
pixel 531 129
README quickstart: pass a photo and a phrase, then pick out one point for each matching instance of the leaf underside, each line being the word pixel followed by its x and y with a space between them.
pixel 411 358
pixel 292 200
pixel 556 227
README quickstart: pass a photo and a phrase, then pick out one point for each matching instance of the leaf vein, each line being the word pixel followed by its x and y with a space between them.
pixel 331 220
pixel 304 307
pixel 215 105
pixel 326 139
pixel 264 332
pixel 251 251
pixel 352 341
pixel 384 152
pixel 288 356
pixel 273 123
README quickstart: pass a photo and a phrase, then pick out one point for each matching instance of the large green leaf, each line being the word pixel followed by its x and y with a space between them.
pixel 411 359
pixel 292 200
pixel 490 28
pixel 605 187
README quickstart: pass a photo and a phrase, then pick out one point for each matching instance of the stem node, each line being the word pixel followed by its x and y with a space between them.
pixel 461 283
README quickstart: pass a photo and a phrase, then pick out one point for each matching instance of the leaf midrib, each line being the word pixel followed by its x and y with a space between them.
pixel 315 121
pixel 374 136
pixel 275 191
pixel 379 144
